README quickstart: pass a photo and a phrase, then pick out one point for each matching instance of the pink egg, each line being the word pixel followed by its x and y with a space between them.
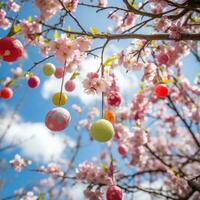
pixel 33 81
pixel 57 119
pixel 59 72
pixel 163 58
pixel 122 149
pixel 114 99
pixel 70 86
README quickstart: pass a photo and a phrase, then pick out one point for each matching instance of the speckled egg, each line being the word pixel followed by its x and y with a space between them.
pixel 57 119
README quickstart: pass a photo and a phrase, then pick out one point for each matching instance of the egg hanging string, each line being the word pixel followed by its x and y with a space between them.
pixel 62 83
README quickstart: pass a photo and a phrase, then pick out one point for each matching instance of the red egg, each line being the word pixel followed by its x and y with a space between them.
pixel 10 49
pixel 57 119
pixel 6 93
pixel 114 99
pixel 122 149
pixel 163 58
pixel 59 72
pixel 161 90
pixel 33 81
pixel 114 193
pixel 70 86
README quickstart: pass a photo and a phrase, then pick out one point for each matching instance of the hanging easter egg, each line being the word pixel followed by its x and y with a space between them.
pixel 122 149
pixel 114 99
pixel 161 90
pixel 114 193
pixel 109 115
pixel 59 99
pixel 59 72
pixel 6 93
pixel 163 58
pixel 10 49
pixel 57 119
pixel 70 86
pixel 33 81
pixel 49 69
pixel 102 130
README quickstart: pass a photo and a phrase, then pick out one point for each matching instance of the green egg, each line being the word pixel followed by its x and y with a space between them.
pixel 102 130
pixel 49 69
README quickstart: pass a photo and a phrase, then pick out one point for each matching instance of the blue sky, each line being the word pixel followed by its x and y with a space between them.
pixel 35 107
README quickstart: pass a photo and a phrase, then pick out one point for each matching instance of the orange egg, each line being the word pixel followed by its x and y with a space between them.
pixel 109 115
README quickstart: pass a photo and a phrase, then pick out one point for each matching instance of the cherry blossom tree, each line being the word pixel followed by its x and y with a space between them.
pixel 151 145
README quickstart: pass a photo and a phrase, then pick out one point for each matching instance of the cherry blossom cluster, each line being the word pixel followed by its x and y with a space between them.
pixel 49 8
pixel 90 173
pixel 18 163
pixel 13 6
pixel 125 22
pixel 67 51
pixel 93 84
pixel 52 169
pixel 4 22
pixel 30 29
pixel 93 195
pixel 29 196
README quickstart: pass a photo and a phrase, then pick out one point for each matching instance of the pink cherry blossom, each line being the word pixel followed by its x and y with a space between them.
pixel 29 196
pixel 4 22
pixel 77 108
pixel 52 169
pixel 29 29
pixel 13 6
pixel 89 172
pixel 18 163
pixel 93 84
pixel 103 3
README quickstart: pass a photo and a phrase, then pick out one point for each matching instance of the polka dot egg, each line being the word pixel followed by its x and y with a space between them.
pixel 57 119
pixel 114 99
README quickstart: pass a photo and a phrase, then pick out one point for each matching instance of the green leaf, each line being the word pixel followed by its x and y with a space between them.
pixel 139 91
pixel 56 36
pixel 198 75
pixel 162 68
pixel 167 81
pixel 2 4
pixel 74 75
pixel 30 19
pixel 196 19
pixel 105 168
pixel 11 82
pixel 71 36
pixel 69 28
pixel 134 5
pixel 142 85
pixel 40 197
pixel 109 61
pixel 154 44
pixel 94 31
pixel 14 30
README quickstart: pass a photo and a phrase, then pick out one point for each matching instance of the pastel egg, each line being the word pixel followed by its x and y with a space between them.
pixel 59 72
pixel 110 116
pixel 57 119
pixel 59 99
pixel 49 69
pixel 70 86
pixel 102 130
pixel 33 81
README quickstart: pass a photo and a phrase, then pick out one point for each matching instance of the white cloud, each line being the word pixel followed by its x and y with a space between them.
pixel 77 191
pixel 34 139
pixel 126 82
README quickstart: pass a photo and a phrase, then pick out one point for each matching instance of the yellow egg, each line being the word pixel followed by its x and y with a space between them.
pixel 59 99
